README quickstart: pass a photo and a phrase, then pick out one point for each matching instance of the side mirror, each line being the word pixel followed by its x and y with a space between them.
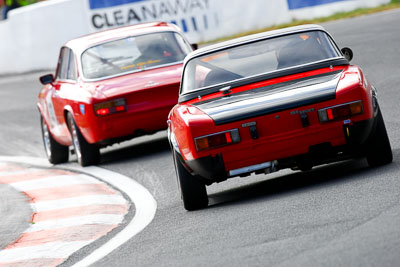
pixel 195 46
pixel 47 79
pixel 347 53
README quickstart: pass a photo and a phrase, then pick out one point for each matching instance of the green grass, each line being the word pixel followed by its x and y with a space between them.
pixel 341 15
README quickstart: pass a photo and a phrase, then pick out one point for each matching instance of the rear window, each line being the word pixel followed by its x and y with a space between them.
pixel 256 58
pixel 133 54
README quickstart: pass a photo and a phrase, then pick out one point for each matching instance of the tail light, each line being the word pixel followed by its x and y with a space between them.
pixel 217 140
pixel 341 111
pixel 110 107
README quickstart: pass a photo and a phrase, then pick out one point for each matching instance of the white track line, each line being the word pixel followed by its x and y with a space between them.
pixel 110 219
pixel 48 250
pixel 78 202
pixel 145 204
pixel 55 181
pixel 12 173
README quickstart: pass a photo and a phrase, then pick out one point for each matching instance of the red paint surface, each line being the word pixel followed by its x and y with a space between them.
pixel 149 95
pixel 279 138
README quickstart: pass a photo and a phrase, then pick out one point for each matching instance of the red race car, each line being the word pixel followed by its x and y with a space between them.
pixel 109 87
pixel 281 99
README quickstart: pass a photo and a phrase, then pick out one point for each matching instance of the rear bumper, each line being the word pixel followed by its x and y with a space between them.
pixel 328 144
pixel 120 127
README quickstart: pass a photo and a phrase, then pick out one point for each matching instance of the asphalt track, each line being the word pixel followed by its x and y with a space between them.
pixel 343 214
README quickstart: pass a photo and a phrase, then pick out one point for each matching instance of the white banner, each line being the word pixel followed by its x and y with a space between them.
pixel 194 17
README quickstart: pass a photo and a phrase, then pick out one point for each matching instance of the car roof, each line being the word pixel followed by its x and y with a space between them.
pixel 82 43
pixel 253 37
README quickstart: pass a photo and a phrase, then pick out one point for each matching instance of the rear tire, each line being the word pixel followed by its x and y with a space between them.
pixel 193 190
pixel 87 154
pixel 56 153
pixel 378 149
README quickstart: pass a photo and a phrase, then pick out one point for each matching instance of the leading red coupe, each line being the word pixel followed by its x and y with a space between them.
pixel 281 99
pixel 109 87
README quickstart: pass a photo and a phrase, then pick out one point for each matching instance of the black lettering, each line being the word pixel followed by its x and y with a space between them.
pixel 107 22
pixel 195 4
pixel 95 20
pixel 171 8
pixel 118 18
pixel 178 6
pixel 152 13
pixel 132 16
pixel 163 10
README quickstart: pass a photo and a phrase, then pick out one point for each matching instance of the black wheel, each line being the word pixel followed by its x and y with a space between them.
pixel 193 190
pixel 87 154
pixel 378 149
pixel 56 153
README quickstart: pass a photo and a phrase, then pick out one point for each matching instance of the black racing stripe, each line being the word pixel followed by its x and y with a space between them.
pixel 262 77
pixel 271 99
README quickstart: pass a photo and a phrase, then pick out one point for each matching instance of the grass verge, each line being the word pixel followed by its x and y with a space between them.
pixel 341 15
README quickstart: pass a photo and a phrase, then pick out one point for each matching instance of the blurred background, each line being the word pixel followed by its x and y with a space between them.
pixel 32 31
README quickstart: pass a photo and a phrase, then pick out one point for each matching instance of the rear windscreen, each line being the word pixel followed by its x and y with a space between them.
pixel 259 57
pixel 133 54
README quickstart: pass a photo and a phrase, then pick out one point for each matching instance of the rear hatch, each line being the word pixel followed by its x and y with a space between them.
pixel 276 121
pixel 149 89
pixel 271 99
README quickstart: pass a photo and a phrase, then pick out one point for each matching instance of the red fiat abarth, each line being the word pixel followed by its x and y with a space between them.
pixel 109 87
pixel 281 99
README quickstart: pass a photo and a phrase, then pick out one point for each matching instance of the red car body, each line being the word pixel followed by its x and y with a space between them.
pixel 125 101
pixel 295 117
